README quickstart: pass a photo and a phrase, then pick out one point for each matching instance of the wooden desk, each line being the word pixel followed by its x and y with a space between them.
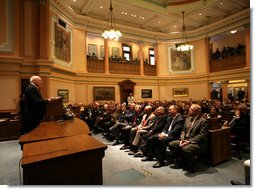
pixel 61 153
pixel 54 129
pixel 74 160
pixel 219 145
pixel 9 129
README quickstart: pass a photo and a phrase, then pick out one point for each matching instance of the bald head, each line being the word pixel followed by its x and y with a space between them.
pixel 36 80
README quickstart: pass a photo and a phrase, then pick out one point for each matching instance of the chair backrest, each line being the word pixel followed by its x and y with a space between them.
pixel 214 123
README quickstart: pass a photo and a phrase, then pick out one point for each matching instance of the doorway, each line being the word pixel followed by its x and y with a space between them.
pixel 24 83
pixel 126 87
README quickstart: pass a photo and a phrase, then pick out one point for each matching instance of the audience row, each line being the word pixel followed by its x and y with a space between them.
pixel 147 129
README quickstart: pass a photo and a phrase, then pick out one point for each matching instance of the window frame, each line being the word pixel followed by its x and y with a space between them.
pixel 127 52
pixel 150 55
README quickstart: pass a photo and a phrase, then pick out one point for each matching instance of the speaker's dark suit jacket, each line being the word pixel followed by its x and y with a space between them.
pixel 35 108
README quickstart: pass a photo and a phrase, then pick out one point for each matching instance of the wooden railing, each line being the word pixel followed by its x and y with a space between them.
pixel 227 63
pixel 118 67
pixel 150 70
pixel 95 66
pixel 124 68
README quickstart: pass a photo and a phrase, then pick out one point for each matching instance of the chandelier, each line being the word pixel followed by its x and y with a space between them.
pixel 112 32
pixel 184 46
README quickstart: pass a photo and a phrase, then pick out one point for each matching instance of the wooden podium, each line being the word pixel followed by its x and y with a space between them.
pixel 54 110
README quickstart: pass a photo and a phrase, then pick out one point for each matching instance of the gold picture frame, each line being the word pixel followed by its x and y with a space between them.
pixel 180 92
pixel 64 93
pixel 62 43
pixel 115 52
pixel 92 49
pixel 180 62
pixel 101 51
pixel 104 94
pixel 146 93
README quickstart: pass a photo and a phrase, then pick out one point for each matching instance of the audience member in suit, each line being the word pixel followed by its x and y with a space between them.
pixel 156 128
pixel 90 114
pixel 240 128
pixel 35 105
pixel 125 131
pixel 193 139
pixel 213 113
pixel 125 119
pixel 145 126
pixel 120 122
pixel 241 119
pixel 171 131
pixel 103 121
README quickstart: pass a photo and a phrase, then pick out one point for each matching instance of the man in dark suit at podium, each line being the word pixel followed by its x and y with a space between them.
pixel 35 105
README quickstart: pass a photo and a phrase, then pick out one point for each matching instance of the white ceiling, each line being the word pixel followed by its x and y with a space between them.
pixel 160 15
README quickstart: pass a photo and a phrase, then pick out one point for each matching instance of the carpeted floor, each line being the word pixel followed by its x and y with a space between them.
pixel 119 168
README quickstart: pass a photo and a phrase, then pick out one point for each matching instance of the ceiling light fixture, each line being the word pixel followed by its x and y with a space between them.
pixel 233 31
pixel 184 46
pixel 112 32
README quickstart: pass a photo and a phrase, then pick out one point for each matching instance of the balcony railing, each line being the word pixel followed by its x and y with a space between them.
pixel 229 63
pixel 119 67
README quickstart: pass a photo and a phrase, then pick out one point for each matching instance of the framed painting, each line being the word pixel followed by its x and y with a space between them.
pixel 146 93
pixel 180 92
pixel 101 51
pixel 92 49
pixel 62 43
pixel 180 61
pixel 64 94
pixel 115 52
pixel 104 94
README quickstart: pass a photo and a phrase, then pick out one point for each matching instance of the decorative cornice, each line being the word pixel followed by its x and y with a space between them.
pixel 97 26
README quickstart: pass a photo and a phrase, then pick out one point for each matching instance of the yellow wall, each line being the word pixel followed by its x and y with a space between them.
pixel 56 84
pixel 78 50
pixel 163 63
pixel 9 87
pixel 200 56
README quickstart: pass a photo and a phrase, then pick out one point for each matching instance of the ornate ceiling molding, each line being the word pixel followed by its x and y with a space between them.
pixel 97 26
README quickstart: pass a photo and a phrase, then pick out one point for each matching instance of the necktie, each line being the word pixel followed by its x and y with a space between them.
pixel 170 126
pixel 190 127
pixel 145 121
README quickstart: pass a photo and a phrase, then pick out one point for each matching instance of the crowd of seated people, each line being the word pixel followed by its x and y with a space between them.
pixel 92 56
pixel 116 58
pixel 147 128
pixel 228 52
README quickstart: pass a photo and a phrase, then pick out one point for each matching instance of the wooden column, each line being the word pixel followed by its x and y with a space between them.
pixel 206 41
pixel 224 90
pixel 209 96
pixel 247 47
pixel 141 59
pixel 42 29
pixel 85 60
pixel 106 57
pixel 249 90
pixel 41 42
